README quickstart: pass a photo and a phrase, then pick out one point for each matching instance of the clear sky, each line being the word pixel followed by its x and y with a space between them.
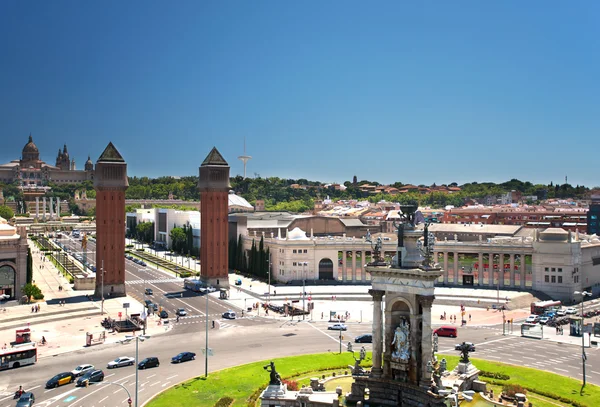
pixel 417 92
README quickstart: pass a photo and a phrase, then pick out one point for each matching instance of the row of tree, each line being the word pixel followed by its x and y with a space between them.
pixel 182 240
pixel 256 263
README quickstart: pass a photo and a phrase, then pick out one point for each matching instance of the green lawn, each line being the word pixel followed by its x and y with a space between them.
pixel 242 383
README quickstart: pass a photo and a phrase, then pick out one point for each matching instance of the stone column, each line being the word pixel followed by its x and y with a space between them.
pixel 344 266
pixel 44 214
pixel 455 254
pixel 480 270
pixel 446 268
pixel 376 370
pixel 522 272
pixel 491 269
pixel 37 207
pixel 512 270
pixel 426 339
pixel 57 207
pixel 353 266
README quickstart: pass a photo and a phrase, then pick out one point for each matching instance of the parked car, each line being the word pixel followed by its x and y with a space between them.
pixel 544 320
pixel 229 315
pixel 450 331
pixel 337 327
pixel 149 291
pixel 561 313
pixel 181 312
pixel 26 400
pixel 533 319
pixel 60 379
pixel 163 314
pixel 183 357
pixel 365 338
pixel 471 346
pixel 143 263
pixel 148 303
pixel 93 376
pixel 4 297
pixel 238 281
pixel 571 311
pixel 81 370
pixel 122 361
pixel 149 362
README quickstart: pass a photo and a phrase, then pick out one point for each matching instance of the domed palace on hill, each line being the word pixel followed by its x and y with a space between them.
pixel 31 172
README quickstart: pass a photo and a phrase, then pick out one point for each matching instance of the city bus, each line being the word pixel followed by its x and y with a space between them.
pixel 194 285
pixel 542 307
pixel 17 356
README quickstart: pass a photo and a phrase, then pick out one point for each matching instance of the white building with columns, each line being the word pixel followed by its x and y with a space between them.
pixel 552 261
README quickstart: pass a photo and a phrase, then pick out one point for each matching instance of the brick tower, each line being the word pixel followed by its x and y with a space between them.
pixel 110 184
pixel 214 208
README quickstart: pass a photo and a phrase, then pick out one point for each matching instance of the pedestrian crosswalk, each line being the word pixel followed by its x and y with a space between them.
pixel 157 281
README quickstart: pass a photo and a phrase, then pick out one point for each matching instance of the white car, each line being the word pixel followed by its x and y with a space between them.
pixel 122 361
pixel 337 327
pixel 532 319
pixel 181 312
pixel 4 297
pixel 571 311
pixel 81 370
pixel 544 320
pixel 561 313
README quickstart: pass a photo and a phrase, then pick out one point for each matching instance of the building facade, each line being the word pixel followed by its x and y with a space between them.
pixel 13 259
pixel 30 170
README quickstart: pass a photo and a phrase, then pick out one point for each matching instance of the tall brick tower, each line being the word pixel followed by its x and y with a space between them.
pixel 110 183
pixel 214 208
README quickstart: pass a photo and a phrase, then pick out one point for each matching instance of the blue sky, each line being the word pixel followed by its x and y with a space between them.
pixel 417 92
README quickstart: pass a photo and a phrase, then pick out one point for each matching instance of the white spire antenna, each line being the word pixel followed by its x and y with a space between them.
pixel 244 158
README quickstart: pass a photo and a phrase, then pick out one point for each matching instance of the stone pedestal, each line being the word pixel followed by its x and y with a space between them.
pixel 462 377
pixel 274 391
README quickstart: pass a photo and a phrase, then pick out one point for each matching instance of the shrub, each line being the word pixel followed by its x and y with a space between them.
pixel 140 250
pixel 39 296
pixel 511 389
pixel 494 375
pixel 185 274
pixel 292 385
pixel 224 402
pixel 129 246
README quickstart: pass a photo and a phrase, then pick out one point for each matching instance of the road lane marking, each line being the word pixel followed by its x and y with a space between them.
pixel 595 372
pixel 103 399
pixel 169 378
pixel 151 376
pixel 562 370
pixel 153 384
pixel 164 384
pixel 530 358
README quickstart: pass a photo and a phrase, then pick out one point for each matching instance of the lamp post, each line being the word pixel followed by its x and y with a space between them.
pixel 137 340
pixel 206 350
pixel 304 264
pixel 102 289
pixel 269 271
pixel 583 357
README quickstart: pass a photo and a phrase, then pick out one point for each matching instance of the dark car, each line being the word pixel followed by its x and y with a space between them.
pixel 149 362
pixel 366 338
pixel 149 292
pixel 94 376
pixel 60 379
pixel 26 400
pixel 229 315
pixel 143 263
pixel 471 346
pixel 164 314
pixel 183 357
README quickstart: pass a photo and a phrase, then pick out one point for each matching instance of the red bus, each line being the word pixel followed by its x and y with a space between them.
pixel 541 307
pixel 17 356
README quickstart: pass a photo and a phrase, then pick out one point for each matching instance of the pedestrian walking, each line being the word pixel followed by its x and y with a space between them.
pixel 32 309
pixel 469 317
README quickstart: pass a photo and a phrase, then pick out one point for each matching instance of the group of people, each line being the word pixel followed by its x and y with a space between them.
pixel 35 308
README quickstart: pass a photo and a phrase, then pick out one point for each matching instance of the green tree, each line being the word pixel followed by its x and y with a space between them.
pixel 31 290
pixel 145 232
pixel 178 239
pixel 6 212
pixel 29 277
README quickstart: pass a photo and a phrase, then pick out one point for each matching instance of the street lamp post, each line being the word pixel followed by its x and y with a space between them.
pixel 583 357
pixel 269 270
pixel 304 288
pixel 137 340
pixel 206 350
pixel 102 289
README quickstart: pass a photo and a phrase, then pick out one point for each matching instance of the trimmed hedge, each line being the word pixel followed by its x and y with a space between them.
pixel 493 375
pixel 224 402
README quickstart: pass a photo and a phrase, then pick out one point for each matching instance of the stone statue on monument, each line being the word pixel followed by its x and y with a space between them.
pixel 401 342
pixel 275 379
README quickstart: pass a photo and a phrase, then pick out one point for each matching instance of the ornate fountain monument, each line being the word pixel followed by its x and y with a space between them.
pixel 403 293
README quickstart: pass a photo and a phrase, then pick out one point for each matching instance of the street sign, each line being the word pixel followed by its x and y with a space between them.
pixel 125 305
pixel 120 314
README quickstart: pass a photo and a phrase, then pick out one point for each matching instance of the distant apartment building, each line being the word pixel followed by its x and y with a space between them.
pixel 568 218
pixel 593 216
